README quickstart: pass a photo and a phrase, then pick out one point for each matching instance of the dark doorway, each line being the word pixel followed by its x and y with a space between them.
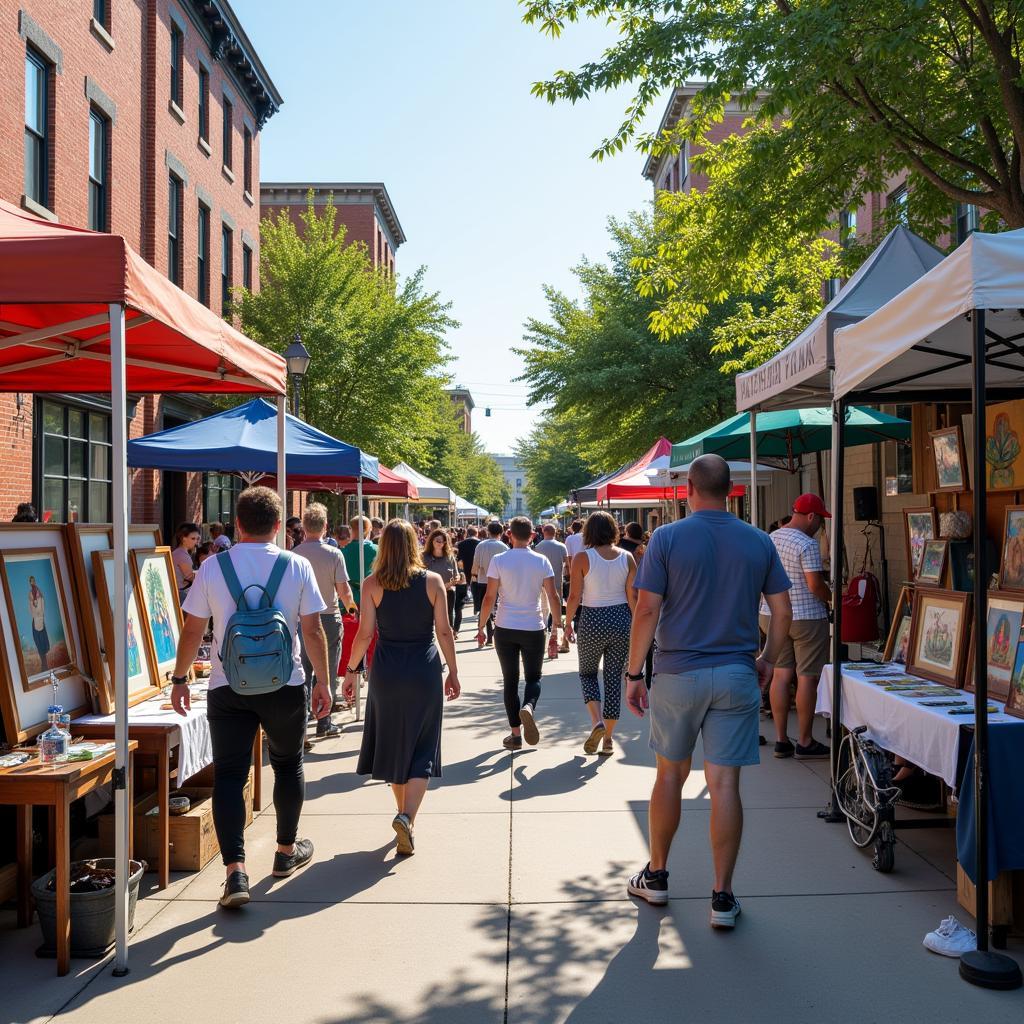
pixel 174 490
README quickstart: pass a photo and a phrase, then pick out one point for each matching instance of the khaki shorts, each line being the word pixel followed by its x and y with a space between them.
pixel 806 647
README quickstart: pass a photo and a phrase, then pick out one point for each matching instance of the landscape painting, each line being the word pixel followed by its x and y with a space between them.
pixel 160 605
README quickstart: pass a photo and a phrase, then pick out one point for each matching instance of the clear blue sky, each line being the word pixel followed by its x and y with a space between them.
pixel 495 189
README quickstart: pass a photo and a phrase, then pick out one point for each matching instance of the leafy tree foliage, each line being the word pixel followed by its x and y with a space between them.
pixel 550 457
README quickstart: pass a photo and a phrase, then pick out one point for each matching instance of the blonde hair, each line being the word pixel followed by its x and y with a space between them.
pixel 314 517
pixel 354 525
pixel 428 544
pixel 398 556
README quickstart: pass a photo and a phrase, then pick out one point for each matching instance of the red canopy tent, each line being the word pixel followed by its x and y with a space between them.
pixel 81 311
pixel 632 485
pixel 388 485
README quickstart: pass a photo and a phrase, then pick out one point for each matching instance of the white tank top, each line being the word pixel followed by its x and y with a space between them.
pixel 605 582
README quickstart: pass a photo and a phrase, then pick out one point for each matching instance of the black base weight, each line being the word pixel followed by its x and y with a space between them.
pixel 990 970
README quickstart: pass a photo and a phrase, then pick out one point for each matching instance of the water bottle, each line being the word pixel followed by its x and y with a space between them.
pixel 54 743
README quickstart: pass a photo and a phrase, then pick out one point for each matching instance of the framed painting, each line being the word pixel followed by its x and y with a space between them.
pixel 1011 562
pixel 83 539
pixel 899 631
pixel 1002 633
pixel 950 460
pixel 938 635
pixel 143 681
pixel 39 630
pixel 921 524
pixel 159 598
pixel 1015 698
pixel 144 535
pixel 1004 437
pixel 932 567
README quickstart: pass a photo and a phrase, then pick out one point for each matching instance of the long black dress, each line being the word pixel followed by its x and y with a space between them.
pixel 402 731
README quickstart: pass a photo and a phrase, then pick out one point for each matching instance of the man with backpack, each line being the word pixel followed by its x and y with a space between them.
pixel 258 597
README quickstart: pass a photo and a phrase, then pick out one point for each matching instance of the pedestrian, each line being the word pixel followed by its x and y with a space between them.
pixel 574 538
pixel 221 541
pixel 350 552
pixel 601 585
pixel 401 743
pixel 186 539
pixel 464 552
pixel 557 554
pixel 699 587
pixel 342 535
pixel 376 528
pixel 485 551
pixel 633 541
pixel 332 580
pixel 204 551
pixel 439 557
pixel 254 562
pixel 517 579
pixel 805 651
pixel 25 513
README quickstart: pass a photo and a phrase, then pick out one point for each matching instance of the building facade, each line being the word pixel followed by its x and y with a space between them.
pixel 463 406
pixel 515 477
pixel 142 119
pixel 365 210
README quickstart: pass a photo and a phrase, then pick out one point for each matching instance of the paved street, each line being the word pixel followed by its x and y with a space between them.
pixel 514 909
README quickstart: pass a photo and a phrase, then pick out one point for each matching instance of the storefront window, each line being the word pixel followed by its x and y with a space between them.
pixel 219 493
pixel 899 459
pixel 74 456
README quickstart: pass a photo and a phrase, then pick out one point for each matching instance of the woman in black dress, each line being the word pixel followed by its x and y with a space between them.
pixel 402 732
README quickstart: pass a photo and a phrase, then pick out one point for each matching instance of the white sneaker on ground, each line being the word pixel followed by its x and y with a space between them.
pixel 951 938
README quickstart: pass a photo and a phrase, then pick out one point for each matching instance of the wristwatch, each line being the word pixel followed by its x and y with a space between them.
pixel 179 680
pixel 354 671
pixel 635 678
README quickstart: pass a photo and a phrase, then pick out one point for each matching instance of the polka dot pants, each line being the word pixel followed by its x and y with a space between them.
pixel 604 633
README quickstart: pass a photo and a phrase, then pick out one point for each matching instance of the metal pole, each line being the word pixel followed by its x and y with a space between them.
pixel 362 574
pixel 753 467
pixel 122 804
pixel 282 474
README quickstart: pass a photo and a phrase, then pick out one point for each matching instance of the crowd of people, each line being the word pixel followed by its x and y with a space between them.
pixel 724 612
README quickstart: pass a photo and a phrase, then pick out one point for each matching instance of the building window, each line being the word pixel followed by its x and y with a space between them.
pixel 899 458
pixel 174 190
pixel 247 160
pixel 99 143
pixel 967 221
pixel 225 268
pixel 219 493
pixel 519 504
pixel 204 104
pixel 228 110
pixel 519 483
pixel 847 227
pixel 247 267
pixel 75 456
pixel 203 254
pixel 897 204
pixel 37 128
pixel 177 64
pixel 101 12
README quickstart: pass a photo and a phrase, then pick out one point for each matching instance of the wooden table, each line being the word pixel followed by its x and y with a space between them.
pixel 56 786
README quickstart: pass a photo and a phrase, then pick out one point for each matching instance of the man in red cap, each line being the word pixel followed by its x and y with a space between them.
pixel 806 651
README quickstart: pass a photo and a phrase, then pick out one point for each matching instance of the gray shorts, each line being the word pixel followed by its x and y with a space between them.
pixel 720 704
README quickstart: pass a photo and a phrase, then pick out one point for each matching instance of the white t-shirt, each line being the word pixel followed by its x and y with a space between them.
pixel 574 544
pixel 298 595
pixel 520 573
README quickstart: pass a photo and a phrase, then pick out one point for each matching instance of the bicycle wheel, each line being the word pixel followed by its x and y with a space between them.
pixel 885 849
pixel 857 797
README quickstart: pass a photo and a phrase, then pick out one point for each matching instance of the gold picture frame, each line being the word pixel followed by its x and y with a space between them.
pixel 938 635
pixel 904 607
pixel 920 525
pixel 158 596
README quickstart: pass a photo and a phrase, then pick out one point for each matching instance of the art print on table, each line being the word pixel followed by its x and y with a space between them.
pixel 936 647
pixel 950 462
pixel 35 601
pixel 932 566
pixel 1011 565
pixel 1002 633
pixel 921 526
pixel 159 598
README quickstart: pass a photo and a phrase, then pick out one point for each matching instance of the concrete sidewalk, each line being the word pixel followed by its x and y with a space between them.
pixel 514 906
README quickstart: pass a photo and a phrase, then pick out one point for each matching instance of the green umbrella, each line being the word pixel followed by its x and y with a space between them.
pixel 789 434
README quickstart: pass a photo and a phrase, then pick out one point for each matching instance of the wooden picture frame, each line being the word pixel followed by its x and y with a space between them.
pixel 950 459
pixel 83 539
pixel 1011 551
pixel 24 701
pixel 931 570
pixel 145 682
pixel 158 597
pixel 1015 696
pixel 915 522
pixel 904 606
pixel 938 633
pixel 144 535
pixel 1002 637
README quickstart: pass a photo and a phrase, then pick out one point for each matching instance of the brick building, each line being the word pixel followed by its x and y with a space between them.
pixel 365 210
pixel 140 118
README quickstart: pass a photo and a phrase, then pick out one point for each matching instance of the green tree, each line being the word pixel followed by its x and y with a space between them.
pixel 550 457
pixel 602 369
pixel 459 461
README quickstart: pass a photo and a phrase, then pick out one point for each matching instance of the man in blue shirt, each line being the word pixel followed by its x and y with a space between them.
pixel 700 584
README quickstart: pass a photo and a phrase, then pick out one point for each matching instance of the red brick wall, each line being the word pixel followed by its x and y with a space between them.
pixel 361 225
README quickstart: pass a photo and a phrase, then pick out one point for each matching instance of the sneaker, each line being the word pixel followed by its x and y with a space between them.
pixel 530 732
pixel 813 751
pixel 591 743
pixel 649 885
pixel 563 647
pixel 783 749
pixel 951 938
pixel 512 742
pixel 307 745
pixel 236 890
pixel 326 729
pixel 286 864
pixel 725 908
pixel 403 829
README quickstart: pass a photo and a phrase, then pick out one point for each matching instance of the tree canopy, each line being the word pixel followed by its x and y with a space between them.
pixel 550 458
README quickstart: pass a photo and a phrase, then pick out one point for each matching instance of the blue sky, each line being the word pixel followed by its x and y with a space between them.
pixel 494 188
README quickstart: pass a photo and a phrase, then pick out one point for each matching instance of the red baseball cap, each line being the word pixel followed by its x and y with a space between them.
pixel 808 503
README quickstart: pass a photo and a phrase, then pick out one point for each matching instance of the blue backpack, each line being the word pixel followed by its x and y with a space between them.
pixel 256 652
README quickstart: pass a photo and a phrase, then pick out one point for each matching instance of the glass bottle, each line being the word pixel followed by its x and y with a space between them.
pixel 53 744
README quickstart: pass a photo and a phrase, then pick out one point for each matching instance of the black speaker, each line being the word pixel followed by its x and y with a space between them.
pixel 865 504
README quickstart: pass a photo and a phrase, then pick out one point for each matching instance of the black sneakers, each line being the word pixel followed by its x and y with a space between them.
pixel 813 751
pixel 783 748
pixel 649 885
pixel 286 864
pixel 725 908
pixel 236 890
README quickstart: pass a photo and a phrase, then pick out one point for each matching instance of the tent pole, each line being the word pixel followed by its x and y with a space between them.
pixel 119 510
pixel 362 574
pixel 981 966
pixel 282 474
pixel 753 467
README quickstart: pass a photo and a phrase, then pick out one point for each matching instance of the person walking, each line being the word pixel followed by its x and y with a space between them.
pixel 517 579
pixel 601 585
pixel 805 650
pixel 186 538
pixel 253 562
pixel 350 551
pixel 485 551
pixel 332 581
pixel 557 554
pixel 221 541
pixel 406 605
pixel 699 585
pixel 464 552
pixel 439 557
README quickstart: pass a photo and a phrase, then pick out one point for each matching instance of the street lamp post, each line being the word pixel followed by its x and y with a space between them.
pixel 297 360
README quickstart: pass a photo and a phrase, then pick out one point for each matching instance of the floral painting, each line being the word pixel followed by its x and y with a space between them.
pixel 1003 426
pixel 160 603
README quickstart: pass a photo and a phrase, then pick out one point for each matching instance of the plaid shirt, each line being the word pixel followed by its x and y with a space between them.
pixel 799 554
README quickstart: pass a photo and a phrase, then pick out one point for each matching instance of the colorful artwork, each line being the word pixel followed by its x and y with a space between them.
pixel 948 450
pixel 138 668
pixel 1005 615
pixel 937 642
pixel 160 602
pixel 1004 427
pixel 38 615
pixel 1011 567
pixel 899 653
pixel 938 626
pixel 921 527
pixel 1015 696
pixel 933 562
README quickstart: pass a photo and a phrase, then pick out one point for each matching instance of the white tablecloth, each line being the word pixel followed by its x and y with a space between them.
pixel 927 737
pixel 195 752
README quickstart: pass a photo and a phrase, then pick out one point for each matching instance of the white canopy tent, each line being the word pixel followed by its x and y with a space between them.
pixel 431 492
pixel 465 509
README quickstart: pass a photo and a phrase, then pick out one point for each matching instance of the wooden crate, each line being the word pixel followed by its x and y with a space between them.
pixel 8 882
pixel 1000 897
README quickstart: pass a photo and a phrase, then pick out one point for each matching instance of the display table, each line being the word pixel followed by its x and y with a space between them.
pixel 55 786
